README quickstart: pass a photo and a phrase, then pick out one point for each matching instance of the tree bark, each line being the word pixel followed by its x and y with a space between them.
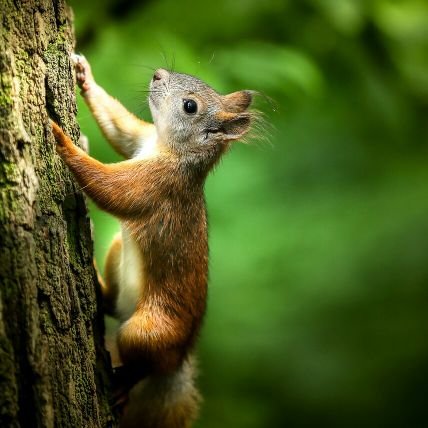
pixel 53 369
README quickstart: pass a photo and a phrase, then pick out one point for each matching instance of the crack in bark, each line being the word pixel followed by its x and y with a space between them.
pixel 53 368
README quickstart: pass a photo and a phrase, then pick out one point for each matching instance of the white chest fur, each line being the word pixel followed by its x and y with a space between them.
pixel 148 147
pixel 131 275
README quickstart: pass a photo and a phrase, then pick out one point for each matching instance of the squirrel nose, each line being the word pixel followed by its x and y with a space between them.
pixel 160 74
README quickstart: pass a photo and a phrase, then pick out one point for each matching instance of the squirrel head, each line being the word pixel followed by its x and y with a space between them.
pixel 193 120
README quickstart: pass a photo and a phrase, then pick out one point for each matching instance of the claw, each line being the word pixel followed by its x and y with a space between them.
pixel 84 76
pixel 124 379
pixel 120 401
pixel 75 58
pixel 121 388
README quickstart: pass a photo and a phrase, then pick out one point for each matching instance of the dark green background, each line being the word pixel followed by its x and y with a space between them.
pixel 318 306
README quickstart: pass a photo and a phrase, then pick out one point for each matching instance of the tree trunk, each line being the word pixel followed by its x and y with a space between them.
pixel 53 369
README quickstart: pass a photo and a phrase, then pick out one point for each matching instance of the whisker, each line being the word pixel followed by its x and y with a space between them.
pixel 165 59
pixel 144 66
pixel 173 62
pixel 149 91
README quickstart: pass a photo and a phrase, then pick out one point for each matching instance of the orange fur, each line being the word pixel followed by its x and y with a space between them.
pixel 118 124
pixel 121 128
pixel 110 287
pixel 156 274
pixel 237 102
pixel 166 214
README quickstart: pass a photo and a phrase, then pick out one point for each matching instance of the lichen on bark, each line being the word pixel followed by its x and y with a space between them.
pixel 53 369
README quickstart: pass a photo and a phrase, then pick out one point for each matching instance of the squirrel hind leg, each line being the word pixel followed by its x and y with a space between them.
pixel 110 285
pixel 167 401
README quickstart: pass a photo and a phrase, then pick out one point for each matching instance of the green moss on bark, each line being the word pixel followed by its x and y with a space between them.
pixel 53 369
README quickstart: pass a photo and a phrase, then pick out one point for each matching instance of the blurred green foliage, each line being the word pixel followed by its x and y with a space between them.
pixel 319 242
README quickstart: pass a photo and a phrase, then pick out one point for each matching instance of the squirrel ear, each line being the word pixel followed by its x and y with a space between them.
pixel 234 125
pixel 237 102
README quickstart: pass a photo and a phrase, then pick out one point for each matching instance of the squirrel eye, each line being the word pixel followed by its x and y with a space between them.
pixel 190 106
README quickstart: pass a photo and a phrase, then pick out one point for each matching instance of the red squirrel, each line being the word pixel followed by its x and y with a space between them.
pixel 155 279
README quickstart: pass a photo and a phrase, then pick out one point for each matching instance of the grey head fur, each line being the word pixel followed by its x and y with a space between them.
pixel 193 120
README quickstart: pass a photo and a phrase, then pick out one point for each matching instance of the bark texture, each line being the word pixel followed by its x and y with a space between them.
pixel 53 369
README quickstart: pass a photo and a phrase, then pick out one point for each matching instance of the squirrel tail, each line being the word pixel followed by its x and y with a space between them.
pixel 167 401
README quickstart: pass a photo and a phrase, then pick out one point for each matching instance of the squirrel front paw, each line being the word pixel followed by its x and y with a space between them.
pixel 61 139
pixel 58 133
pixel 84 76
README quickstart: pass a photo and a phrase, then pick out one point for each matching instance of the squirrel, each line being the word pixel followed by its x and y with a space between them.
pixel 155 279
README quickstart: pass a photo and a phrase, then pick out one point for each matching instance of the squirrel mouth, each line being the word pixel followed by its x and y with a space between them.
pixel 152 99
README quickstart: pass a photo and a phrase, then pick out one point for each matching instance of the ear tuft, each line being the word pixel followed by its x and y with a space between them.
pixel 237 102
